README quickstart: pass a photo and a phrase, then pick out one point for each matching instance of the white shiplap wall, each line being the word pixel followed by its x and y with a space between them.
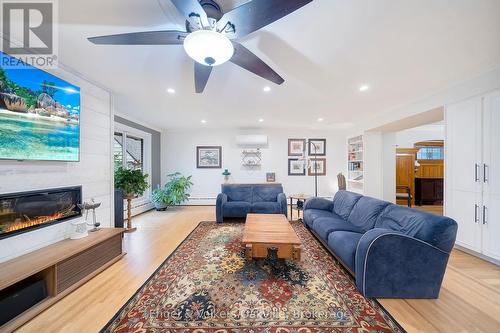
pixel 93 171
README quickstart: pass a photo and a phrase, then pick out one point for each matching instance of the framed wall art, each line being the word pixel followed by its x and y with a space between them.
pixel 296 147
pixel 317 147
pixel 320 167
pixel 209 157
pixel 296 167
pixel 270 177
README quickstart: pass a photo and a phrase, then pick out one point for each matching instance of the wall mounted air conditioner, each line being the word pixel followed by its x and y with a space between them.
pixel 252 141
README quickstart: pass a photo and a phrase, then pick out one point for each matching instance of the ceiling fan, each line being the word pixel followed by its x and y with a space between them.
pixel 210 35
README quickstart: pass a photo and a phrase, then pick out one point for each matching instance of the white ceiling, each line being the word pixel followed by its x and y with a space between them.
pixel 404 50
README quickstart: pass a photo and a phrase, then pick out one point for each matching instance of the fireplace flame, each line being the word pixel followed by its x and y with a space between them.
pixel 18 224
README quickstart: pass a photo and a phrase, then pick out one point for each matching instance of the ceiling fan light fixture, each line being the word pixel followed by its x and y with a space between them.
pixel 208 47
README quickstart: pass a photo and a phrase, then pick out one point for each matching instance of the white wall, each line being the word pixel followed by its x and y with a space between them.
pixel 373 176
pixel 389 167
pixel 407 138
pixel 93 171
pixel 179 154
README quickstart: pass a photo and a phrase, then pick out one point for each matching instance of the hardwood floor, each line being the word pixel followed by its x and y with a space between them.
pixel 469 301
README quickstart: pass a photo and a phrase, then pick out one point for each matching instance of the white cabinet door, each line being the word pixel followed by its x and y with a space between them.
pixel 465 209
pixel 491 144
pixel 490 220
pixel 463 141
pixel 491 177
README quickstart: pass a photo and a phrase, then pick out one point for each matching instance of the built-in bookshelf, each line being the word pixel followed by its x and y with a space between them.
pixel 355 176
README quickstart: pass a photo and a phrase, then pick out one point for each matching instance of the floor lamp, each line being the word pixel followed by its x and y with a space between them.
pixel 307 162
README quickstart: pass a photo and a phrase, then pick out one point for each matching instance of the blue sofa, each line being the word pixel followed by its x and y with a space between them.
pixel 393 251
pixel 237 200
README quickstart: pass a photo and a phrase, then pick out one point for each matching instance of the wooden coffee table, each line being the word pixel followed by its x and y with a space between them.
pixel 263 231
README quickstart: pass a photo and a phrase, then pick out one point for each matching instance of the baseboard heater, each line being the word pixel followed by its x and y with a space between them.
pixel 201 201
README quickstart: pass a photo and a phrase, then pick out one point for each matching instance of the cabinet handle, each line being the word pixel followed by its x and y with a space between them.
pixel 485 172
pixel 485 210
pixel 476 172
pixel 476 219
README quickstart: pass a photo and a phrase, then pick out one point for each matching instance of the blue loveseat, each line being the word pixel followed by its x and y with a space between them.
pixel 237 200
pixel 393 251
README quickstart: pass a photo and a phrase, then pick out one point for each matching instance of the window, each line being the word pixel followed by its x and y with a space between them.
pixel 430 153
pixel 118 150
pixel 133 151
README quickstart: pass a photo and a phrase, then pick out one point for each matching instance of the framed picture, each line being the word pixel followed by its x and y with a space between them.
pixel 296 167
pixel 317 147
pixel 270 177
pixel 209 157
pixel 296 147
pixel 320 167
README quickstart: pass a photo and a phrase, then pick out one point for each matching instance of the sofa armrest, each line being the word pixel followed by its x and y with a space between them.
pixel 219 206
pixel 283 206
pixel 319 203
pixel 390 264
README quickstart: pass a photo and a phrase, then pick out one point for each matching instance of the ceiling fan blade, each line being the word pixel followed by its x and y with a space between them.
pixel 256 14
pixel 190 9
pixel 249 61
pixel 167 37
pixel 201 75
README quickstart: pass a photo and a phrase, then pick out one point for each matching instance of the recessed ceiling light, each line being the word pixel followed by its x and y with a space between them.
pixel 320 120
pixel 171 90
pixel 267 89
pixel 203 121
pixel 261 120
pixel 364 87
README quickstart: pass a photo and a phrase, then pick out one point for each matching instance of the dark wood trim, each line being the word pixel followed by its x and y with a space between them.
pixel 429 143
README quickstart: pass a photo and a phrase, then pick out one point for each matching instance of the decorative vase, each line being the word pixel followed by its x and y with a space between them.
pixel 226 175
pixel 160 206
pixel 79 229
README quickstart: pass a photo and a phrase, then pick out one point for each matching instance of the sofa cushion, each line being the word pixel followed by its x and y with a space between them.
pixel 266 193
pixel 311 214
pixel 238 192
pixel 439 231
pixel 236 209
pixel 343 203
pixel 265 208
pixel 366 211
pixel 344 244
pixel 323 226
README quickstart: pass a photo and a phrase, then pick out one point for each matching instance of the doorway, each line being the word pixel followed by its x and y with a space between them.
pixel 420 169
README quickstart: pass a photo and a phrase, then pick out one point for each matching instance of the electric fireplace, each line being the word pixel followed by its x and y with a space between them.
pixel 26 211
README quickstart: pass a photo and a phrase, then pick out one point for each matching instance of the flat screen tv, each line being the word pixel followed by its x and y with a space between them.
pixel 39 114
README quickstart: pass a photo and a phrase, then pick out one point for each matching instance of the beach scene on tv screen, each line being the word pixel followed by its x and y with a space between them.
pixel 39 115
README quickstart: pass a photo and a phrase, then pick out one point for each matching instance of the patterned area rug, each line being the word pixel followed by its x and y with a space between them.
pixel 206 285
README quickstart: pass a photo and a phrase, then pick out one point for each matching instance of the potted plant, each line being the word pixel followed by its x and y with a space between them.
pixel 133 183
pixel 160 198
pixel 177 188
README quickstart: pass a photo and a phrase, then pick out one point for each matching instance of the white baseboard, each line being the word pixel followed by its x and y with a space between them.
pixel 200 201
pixel 479 255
